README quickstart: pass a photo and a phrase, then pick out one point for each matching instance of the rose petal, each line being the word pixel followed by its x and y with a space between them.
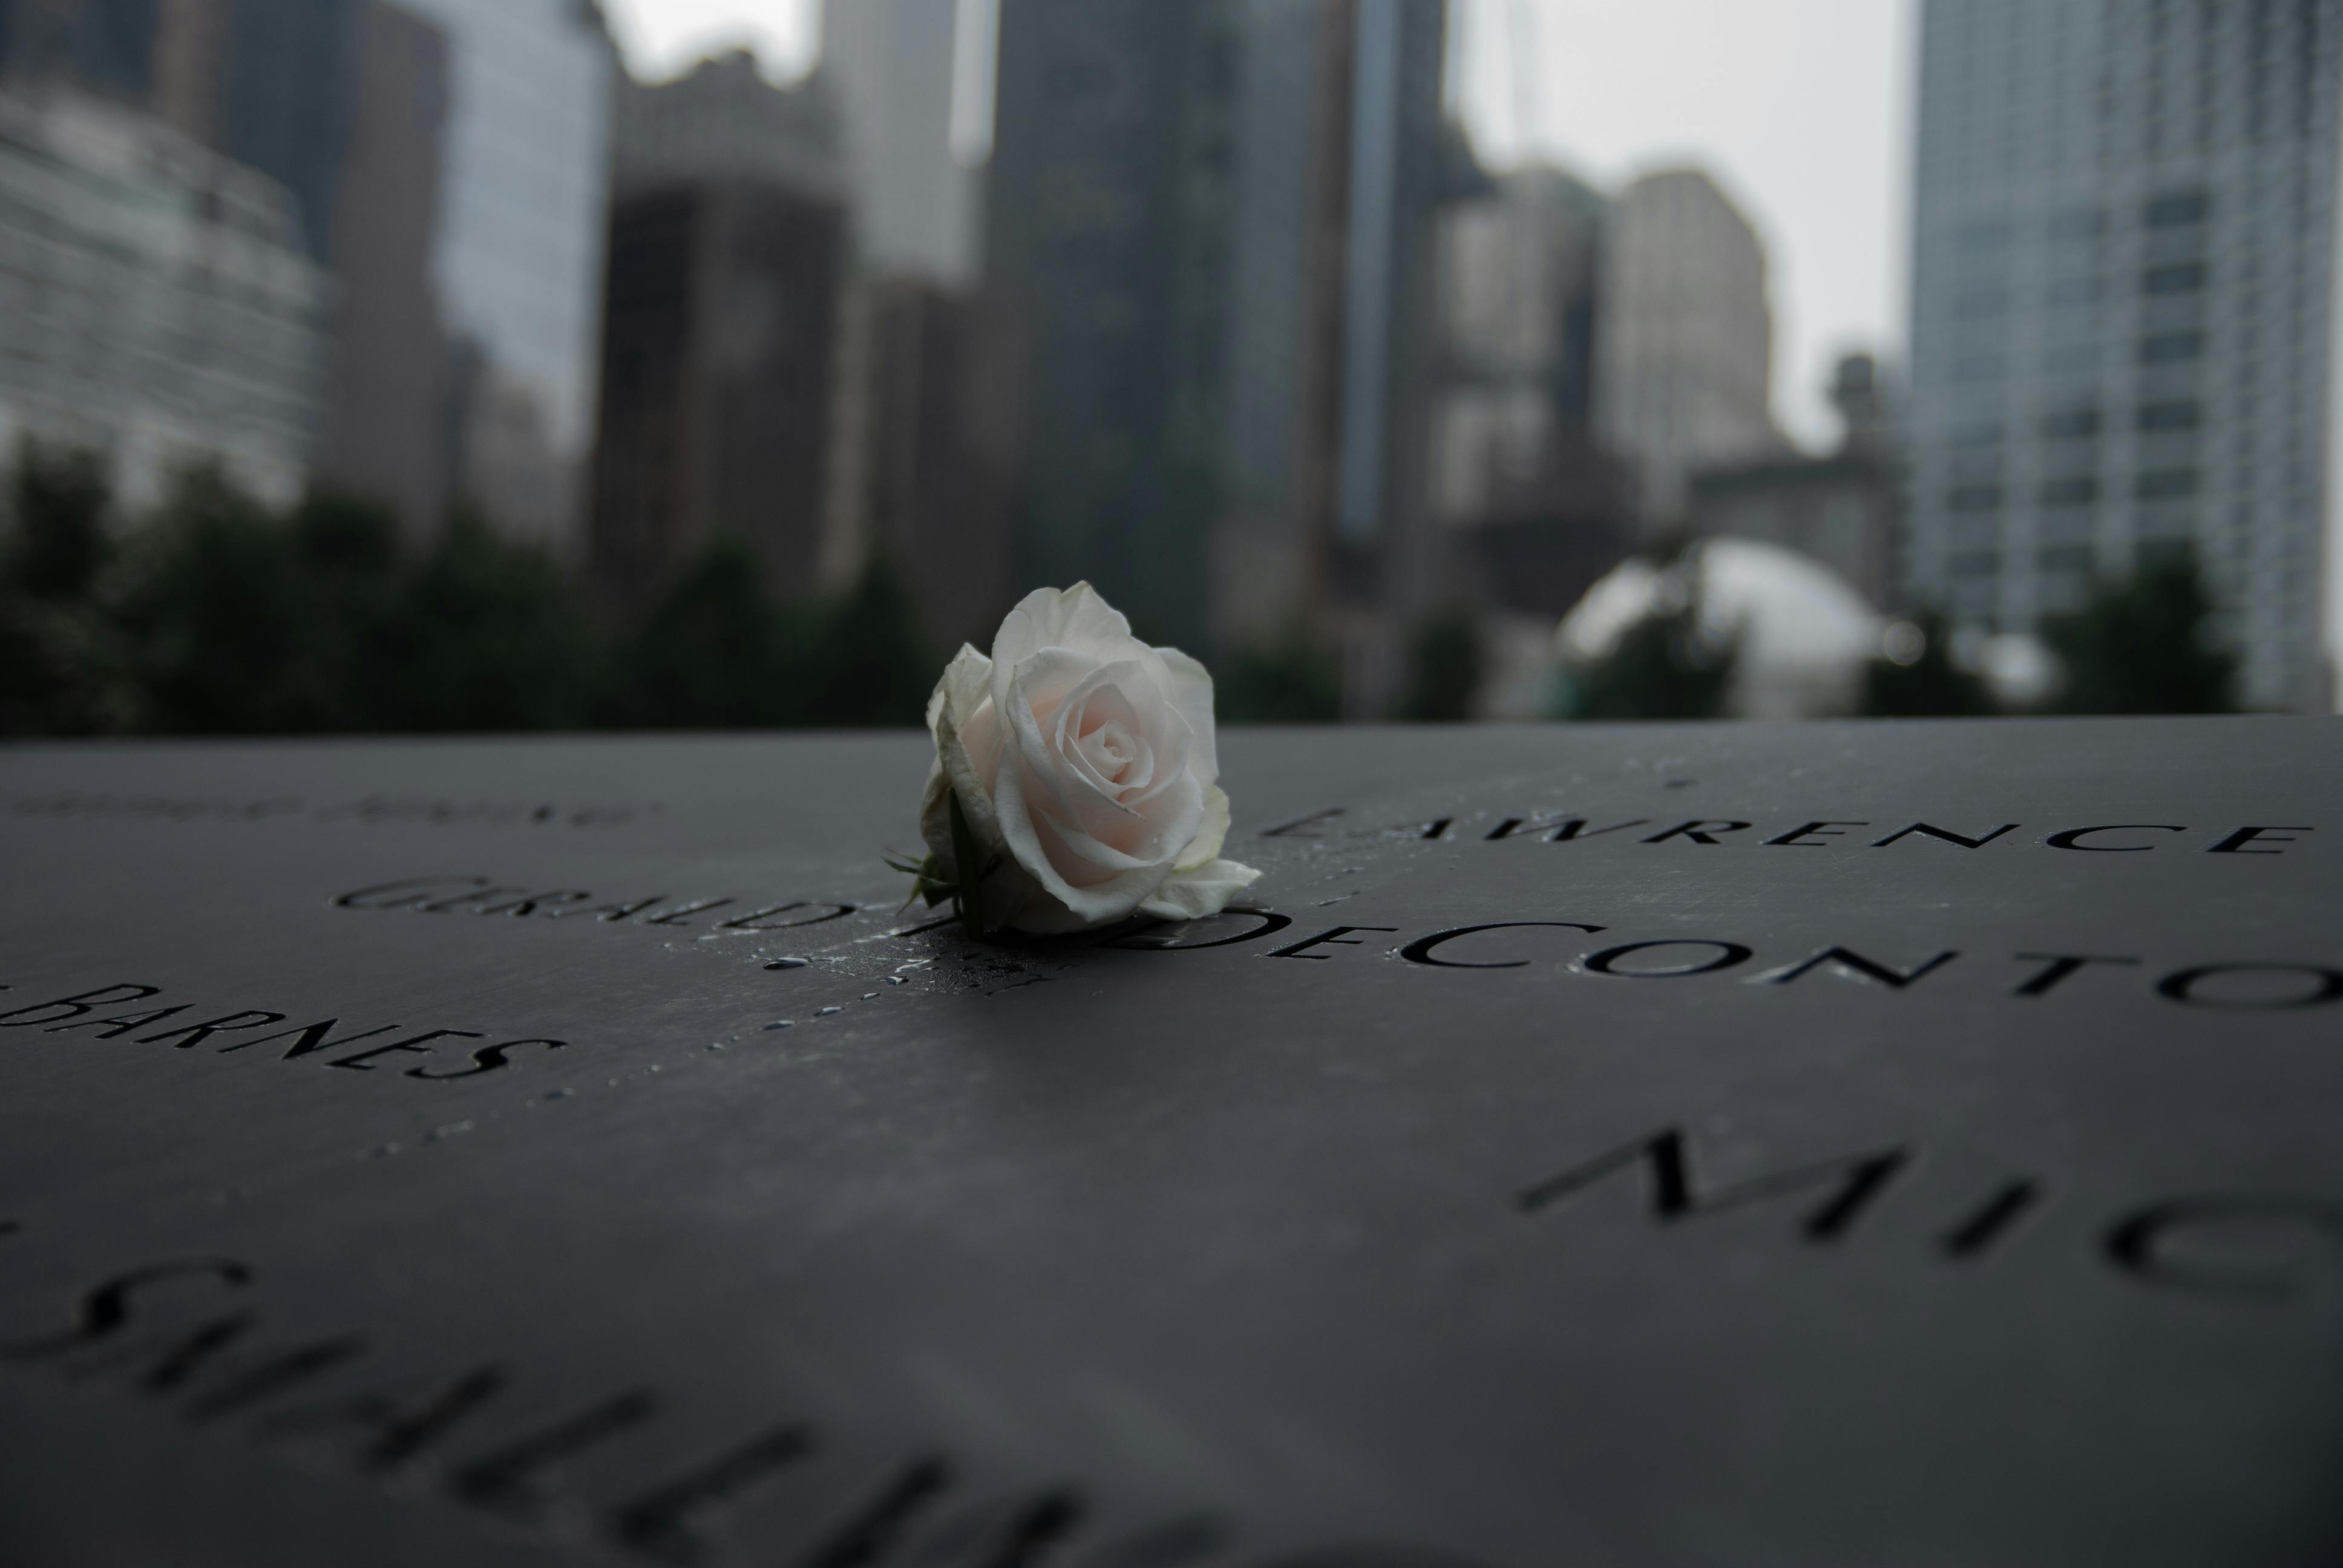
pixel 1100 903
pixel 1131 842
pixel 1103 716
pixel 935 817
pixel 1192 895
pixel 1095 705
pixel 1122 761
pixel 1085 861
pixel 1190 690
pixel 969 756
pixel 1205 847
pixel 1173 742
pixel 1089 762
pixel 1041 689
pixel 1076 619
pixel 1057 783
pixel 966 681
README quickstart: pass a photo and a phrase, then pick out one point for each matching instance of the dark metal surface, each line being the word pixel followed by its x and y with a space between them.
pixel 1535 1245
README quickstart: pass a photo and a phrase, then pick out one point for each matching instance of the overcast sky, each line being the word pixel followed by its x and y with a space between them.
pixel 660 36
pixel 1800 107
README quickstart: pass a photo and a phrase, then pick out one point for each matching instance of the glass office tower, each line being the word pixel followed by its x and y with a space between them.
pixel 523 220
pixel 2123 283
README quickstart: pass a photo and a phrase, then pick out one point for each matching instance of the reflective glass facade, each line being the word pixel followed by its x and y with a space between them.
pixel 2122 293
pixel 525 200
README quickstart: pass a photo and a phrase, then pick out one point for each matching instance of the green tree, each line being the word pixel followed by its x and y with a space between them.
pixel 1445 666
pixel 1664 666
pixel 59 654
pixel 867 663
pixel 2144 646
pixel 1928 683
pixel 488 636
pixel 714 653
pixel 1291 679
pixel 59 543
pixel 227 636
pixel 347 553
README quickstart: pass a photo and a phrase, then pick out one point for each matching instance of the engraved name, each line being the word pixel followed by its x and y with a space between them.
pixel 2237 983
pixel 430 1055
pixel 2243 1245
pixel 1563 828
pixel 191 1335
pixel 474 895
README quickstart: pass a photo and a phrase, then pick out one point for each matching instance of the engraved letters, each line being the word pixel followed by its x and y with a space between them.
pixel 484 896
pixel 200 1366
pixel 2242 1246
pixel 1845 1187
pixel 1563 828
pixel 319 1038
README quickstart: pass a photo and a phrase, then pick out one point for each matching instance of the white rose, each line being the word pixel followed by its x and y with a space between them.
pixel 1086 771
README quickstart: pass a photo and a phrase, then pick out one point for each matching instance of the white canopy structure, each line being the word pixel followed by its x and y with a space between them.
pixel 1805 633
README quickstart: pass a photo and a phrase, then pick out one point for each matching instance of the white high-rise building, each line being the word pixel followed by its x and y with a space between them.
pixel 1683 337
pixel 157 303
pixel 1521 269
pixel 2123 281
pixel 896 67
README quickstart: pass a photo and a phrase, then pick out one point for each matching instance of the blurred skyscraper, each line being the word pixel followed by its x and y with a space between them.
pixel 722 120
pixel 1522 270
pixel 1845 510
pixel 894 65
pixel 448 162
pixel 1684 338
pixel 1521 488
pixel 524 212
pixel 346 103
pixel 929 451
pixel 157 303
pixel 2123 282
pixel 1107 229
pixel 727 261
pixel 103 48
pixel 1273 528
pixel 386 418
pixel 927 448
pixel 1402 168
pixel 1216 222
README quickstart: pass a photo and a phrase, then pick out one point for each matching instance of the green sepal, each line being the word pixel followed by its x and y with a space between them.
pixel 965 891
pixel 927 882
pixel 969 895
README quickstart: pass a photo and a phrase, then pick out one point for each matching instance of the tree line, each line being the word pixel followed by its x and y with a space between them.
pixel 2143 644
pixel 219 614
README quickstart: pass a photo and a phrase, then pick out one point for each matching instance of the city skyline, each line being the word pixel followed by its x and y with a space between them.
pixel 1814 142
pixel 1298 211
pixel 1805 114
